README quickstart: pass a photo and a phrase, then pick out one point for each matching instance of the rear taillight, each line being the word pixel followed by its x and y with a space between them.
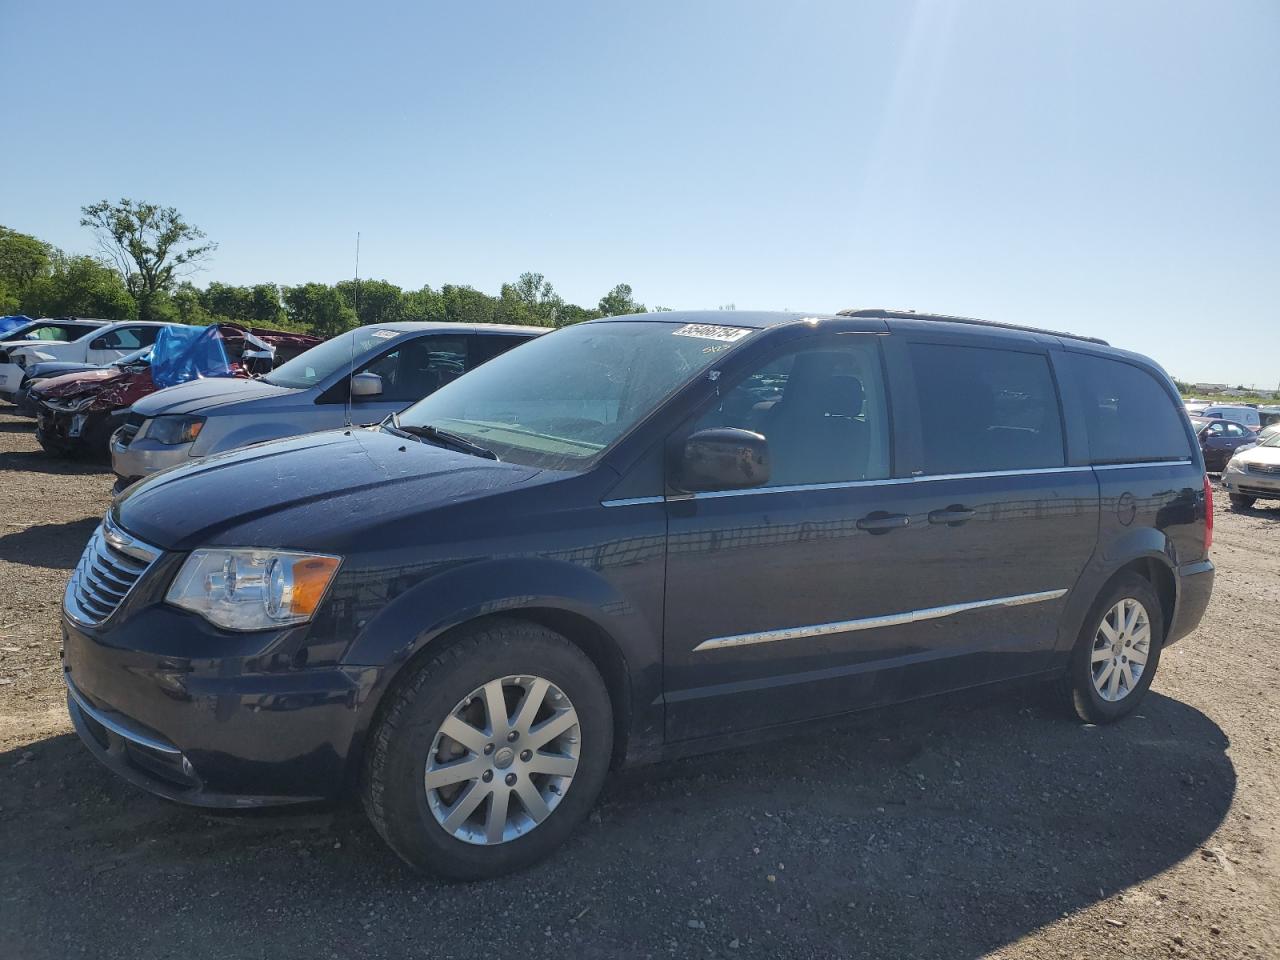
pixel 1208 514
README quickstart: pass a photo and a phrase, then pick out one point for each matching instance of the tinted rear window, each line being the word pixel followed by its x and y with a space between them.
pixel 1129 415
pixel 984 409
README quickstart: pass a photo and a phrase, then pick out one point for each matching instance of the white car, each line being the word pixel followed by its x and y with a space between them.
pixel 97 342
pixel 1254 474
pixel 34 333
pixel 1235 412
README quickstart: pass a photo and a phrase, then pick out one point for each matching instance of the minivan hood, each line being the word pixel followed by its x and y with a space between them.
pixel 199 396
pixel 321 491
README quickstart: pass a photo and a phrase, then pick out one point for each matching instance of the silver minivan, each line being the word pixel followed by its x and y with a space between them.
pixel 380 368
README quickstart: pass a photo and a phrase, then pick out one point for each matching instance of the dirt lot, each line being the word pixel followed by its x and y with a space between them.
pixel 954 829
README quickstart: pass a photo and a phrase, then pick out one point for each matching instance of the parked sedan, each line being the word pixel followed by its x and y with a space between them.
pixel 1220 439
pixel 374 371
pixel 48 369
pixel 1254 474
pixel 40 335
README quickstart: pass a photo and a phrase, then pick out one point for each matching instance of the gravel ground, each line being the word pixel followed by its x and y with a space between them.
pixel 960 828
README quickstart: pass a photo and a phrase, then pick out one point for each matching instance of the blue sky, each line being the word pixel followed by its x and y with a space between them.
pixel 1109 168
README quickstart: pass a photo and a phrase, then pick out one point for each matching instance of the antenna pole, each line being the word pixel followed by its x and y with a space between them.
pixel 351 364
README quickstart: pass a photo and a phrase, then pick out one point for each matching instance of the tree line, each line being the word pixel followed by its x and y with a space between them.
pixel 146 253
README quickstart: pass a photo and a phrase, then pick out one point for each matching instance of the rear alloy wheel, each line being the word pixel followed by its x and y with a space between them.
pixel 1241 502
pixel 1120 650
pixel 1117 651
pixel 489 753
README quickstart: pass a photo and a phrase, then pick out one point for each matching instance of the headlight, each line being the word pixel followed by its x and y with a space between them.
pixel 252 589
pixel 173 430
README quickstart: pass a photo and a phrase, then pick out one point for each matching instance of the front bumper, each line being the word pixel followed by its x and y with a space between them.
pixel 1251 483
pixel 1195 586
pixel 193 714
pixel 141 457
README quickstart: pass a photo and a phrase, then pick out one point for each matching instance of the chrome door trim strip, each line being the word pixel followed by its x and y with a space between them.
pixel 119 729
pixel 797 488
pixel 631 501
pixel 845 484
pixel 872 623
pixel 1147 463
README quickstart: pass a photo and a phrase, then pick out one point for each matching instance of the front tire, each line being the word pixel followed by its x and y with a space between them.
pixel 1117 652
pixel 489 753
pixel 1241 502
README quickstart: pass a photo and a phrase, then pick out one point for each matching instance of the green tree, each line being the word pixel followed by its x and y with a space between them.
pixel 374 301
pixel 423 305
pixel 571 313
pixel 150 245
pixel 79 287
pixel 464 304
pixel 530 300
pixel 319 308
pixel 265 308
pixel 619 301
pixel 23 258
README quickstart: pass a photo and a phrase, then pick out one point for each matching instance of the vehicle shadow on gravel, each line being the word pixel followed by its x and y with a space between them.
pixel 54 545
pixel 951 829
pixel 17 426
pixel 37 461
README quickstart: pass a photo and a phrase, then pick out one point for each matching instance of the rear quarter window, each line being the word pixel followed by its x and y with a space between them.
pixel 984 409
pixel 1128 414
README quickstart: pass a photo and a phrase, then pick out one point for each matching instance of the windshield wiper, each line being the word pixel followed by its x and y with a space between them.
pixel 443 438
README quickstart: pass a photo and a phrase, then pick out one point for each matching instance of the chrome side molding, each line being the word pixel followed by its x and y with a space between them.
pixel 873 623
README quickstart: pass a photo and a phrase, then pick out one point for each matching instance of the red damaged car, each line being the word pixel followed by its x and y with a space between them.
pixel 76 413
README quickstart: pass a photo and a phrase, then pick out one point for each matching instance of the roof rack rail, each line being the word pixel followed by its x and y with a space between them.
pixel 881 314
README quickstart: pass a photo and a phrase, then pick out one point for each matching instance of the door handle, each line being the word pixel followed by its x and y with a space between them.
pixel 952 516
pixel 883 522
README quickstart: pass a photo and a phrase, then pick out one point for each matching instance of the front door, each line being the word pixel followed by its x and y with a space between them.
pixel 760 581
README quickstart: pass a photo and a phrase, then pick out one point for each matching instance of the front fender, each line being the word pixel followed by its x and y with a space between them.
pixel 421 615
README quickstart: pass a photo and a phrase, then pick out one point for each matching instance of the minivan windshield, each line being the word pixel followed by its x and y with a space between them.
pixel 314 365
pixel 560 400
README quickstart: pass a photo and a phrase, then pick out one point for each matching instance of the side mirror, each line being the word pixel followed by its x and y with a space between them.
pixel 723 458
pixel 99 343
pixel 365 385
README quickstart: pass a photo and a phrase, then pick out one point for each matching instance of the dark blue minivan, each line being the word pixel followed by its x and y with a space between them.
pixel 633 539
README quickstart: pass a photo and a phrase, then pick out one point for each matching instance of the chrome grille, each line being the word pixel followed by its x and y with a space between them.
pixel 1264 468
pixel 111 565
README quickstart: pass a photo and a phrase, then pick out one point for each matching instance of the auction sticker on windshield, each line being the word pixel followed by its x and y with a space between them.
pixel 710 331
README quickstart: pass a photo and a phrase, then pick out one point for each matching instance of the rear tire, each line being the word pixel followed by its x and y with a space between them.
pixel 424 818
pixel 1117 651
pixel 1241 502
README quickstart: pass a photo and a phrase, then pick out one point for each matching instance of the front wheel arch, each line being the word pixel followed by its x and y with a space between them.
pixel 600 648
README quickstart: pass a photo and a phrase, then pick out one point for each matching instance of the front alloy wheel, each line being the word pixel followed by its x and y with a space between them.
pixel 503 759
pixel 490 750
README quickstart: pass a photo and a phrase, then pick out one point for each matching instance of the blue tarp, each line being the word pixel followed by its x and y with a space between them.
pixel 183 353
pixel 11 323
